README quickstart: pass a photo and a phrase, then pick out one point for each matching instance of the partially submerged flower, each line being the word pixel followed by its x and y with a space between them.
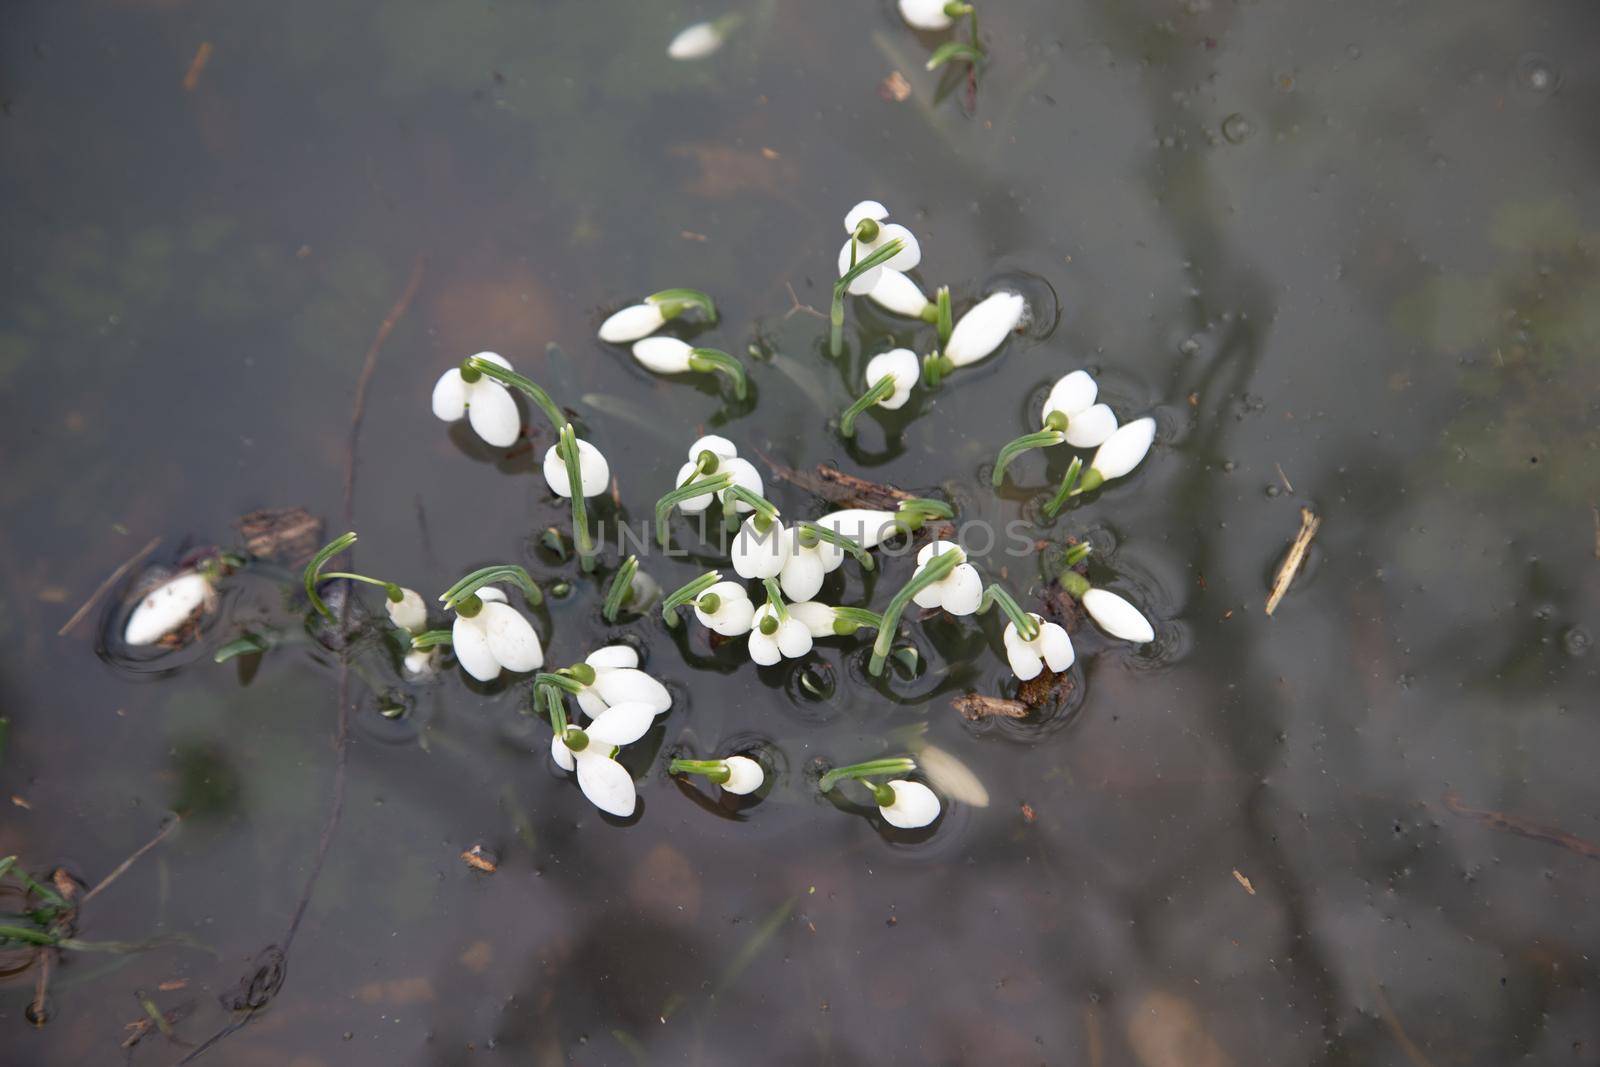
pixel 724 458
pixel 914 805
pixel 926 14
pixel 409 613
pixel 495 638
pixel 487 404
pixel 808 561
pixel 1117 617
pixel 168 608
pixel 984 328
pixel 422 663
pixel 959 593
pixel 593 470
pixel 773 639
pixel 1050 648
pixel 725 608
pixel 868 232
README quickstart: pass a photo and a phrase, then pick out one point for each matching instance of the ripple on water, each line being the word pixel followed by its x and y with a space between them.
pixel 194 641
pixel 1043 312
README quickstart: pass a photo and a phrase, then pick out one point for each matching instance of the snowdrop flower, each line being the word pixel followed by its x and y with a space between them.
pixel 1050 648
pixel 868 527
pixel 926 14
pixel 593 470
pixel 486 403
pixel 890 378
pixel 168 607
pixel 984 328
pixel 669 355
pixel 1122 451
pixel 696 42
pixel 905 804
pixel 421 663
pixel 642 320
pixel 1070 415
pixel 724 459
pixel 898 294
pixel 868 233
pixel 774 637
pixel 409 613
pixel 959 593
pixel 739 775
pixel 613 677
pixel 824 620
pixel 1117 617
pixel 725 608
pixel 761 548
pixel 807 564
pixel 494 638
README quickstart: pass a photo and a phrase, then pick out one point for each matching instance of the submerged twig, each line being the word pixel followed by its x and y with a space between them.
pixel 1292 562
pixel 837 487
pixel 1515 824
pixel 100 591
pixel 122 867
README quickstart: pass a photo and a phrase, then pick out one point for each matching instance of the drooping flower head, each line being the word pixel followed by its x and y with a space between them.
pixel 1050 648
pixel 774 638
pixel 959 593
pixel 613 677
pixel 487 405
pixel 496 637
pixel 593 470
pixel 984 328
pixel 868 232
pixel 723 458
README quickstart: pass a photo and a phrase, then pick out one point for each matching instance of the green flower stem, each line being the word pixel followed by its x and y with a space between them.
pixel 23 933
pixel 775 598
pixel 501 572
pixel 838 540
pixel 847 620
pixel 559 680
pixel 714 483
pixel 882 795
pixel 1077 554
pixel 913 513
pixel 673 302
pixel 952 50
pixel 621 588
pixel 567 449
pixel 714 769
pixel 313 572
pixel 392 591
pixel 836 310
pixel 516 381
pixel 1015 448
pixel 687 594
pixel 1027 626
pixel 761 504
pixel 871 768
pixel 934 369
pixel 882 389
pixel 555 706
pixel 1092 480
pixel 1068 481
pixel 942 315
pixel 431 639
pixel 937 569
pixel 1074 583
pixel 714 359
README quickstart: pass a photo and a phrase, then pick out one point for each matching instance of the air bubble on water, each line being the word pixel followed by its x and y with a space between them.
pixel 1237 129
pixel 1576 641
pixel 1190 346
pixel 1536 77
pixel 1273 491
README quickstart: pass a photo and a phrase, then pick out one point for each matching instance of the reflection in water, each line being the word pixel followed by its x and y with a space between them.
pixel 1338 252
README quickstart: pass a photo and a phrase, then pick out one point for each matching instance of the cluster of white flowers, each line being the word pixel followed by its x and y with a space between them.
pixel 622 703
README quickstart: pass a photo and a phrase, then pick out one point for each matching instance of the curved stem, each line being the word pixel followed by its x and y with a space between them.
pixel 500 572
pixel 775 598
pixel 555 707
pixel 882 389
pixel 1012 449
pixel 839 540
pixel 714 769
pixel 686 594
pixel 761 504
pixel 431 639
pixel 567 448
pixel 621 587
pixel 936 569
pixel 879 257
pixel 1027 626
pixel 673 302
pixel 313 571
pixel 714 483
pixel 1068 481
pixel 847 620
pixel 392 591
pixel 547 679
pixel 524 385
pixel 895 765
pixel 714 359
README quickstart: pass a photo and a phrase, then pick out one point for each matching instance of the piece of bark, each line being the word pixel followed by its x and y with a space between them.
pixel 290 536
pixel 837 487
pixel 975 707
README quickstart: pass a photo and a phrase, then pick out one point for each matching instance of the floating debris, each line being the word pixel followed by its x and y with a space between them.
pixel 1296 557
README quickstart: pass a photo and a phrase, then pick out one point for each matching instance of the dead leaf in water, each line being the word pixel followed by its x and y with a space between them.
pixel 1166 1031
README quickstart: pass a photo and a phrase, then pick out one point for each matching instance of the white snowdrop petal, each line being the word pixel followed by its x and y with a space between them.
pixel 915 805
pixel 607 784
pixel 593 469
pixel 802 575
pixel 632 323
pixel 421 662
pixel 963 590
pixel 561 754
pixel 489 592
pixel 695 42
pixel 716 445
pixel 166 608
pixel 867 209
pixel 1117 617
pixel 744 775
pixel 1091 427
pixel 744 474
pixel 764 651
pixel 952 777
pixel 734 618
pixel 1055 645
pixel 818 618
pixel 555 473
pixel 410 614
pixel 865 526
pixel 664 355
pixel 1025 660
pixel 621 724
pixel 984 328
pixel 628 685
pixel 898 294
pixel 794 638
pixel 590 700
pixel 925 14
pixel 493 414
pixel 694 505
pixel 1125 449
pixel 908 257
pixel 471 647
pixel 866 282
pixel 511 638
pixel 900 364
pixel 929 596
pixel 612 656
pixel 450 395
pixel 759 553
pixel 1071 394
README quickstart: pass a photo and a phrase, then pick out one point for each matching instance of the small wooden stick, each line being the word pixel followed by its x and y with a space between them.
pixel 116 576
pixel 1297 556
